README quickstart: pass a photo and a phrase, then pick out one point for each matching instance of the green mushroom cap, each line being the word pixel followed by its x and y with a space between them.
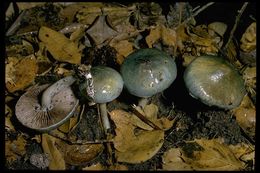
pixel 148 71
pixel 214 81
pixel 108 84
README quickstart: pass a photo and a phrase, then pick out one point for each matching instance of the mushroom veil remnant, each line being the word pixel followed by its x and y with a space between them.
pixel 56 106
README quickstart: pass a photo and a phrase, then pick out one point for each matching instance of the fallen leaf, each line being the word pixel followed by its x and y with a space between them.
pixel 123 48
pixel 20 73
pixel 101 31
pixel 243 151
pixel 246 116
pixel 71 123
pixel 76 154
pixel 61 48
pixel 151 112
pixel 201 154
pixel 95 167
pixel 218 27
pixel 56 160
pixel 15 149
pixel 248 39
pixel 167 35
pixel 134 145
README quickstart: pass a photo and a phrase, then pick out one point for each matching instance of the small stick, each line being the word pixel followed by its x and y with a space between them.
pixel 240 12
pixel 144 119
pixel 197 12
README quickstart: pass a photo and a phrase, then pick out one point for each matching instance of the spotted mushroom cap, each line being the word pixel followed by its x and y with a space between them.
pixel 148 71
pixel 214 81
pixel 30 113
pixel 107 82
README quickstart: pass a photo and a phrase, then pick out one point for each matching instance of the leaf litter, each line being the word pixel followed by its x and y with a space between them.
pixel 53 38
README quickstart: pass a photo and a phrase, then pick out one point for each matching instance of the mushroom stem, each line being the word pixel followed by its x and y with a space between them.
pixel 104 117
pixel 54 89
pixel 143 102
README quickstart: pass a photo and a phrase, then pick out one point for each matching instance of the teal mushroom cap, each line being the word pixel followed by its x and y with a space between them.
pixel 108 84
pixel 215 82
pixel 148 71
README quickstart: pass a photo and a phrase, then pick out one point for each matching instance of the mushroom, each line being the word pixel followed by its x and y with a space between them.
pixel 148 71
pixel 214 81
pixel 56 106
pixel 107 85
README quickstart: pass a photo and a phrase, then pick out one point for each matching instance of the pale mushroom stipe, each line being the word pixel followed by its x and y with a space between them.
pixel 148 71
pixel 108 85
pixel 215 82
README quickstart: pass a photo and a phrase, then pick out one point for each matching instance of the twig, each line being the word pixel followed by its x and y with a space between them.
pixel 240 12
pixel 144 119
pixel 197 12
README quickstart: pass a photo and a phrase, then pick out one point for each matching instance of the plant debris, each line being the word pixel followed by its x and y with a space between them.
pixel 49 41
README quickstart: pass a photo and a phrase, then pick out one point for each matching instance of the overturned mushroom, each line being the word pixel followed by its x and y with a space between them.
pixel 57 105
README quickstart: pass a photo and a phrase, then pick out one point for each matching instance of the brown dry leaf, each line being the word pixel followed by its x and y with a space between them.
pixel 101 31
pixel 243 151
pixel 123 48
pixel 168 36
pixel 202 155
pixel 61 48
pixel 95 167
pixel 246 116
pixel 67 126
pixel 150 112
pixel 218 27
pixel 20 73
pixel 15 149
pixel 79 154
pixel 8 114
pixel 248 40
pixel 56 159
pixel 134 145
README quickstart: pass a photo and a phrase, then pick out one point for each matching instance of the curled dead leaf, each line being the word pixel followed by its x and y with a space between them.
pixel 61 48
pixel 248 40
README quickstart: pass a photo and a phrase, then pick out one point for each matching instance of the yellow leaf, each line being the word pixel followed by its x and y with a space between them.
pixel 94 167
pixel 134 145
pixel 123 48
pixel 167 35
pixel 61 48
pixel 56 159
pixel 248 40
pixel 22 73
pixel 201 154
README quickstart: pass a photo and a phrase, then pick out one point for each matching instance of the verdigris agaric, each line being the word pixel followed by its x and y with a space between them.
pixel 215 82
pixel 148 71
pixel 45 107
pixel 107 86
